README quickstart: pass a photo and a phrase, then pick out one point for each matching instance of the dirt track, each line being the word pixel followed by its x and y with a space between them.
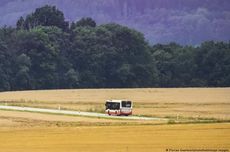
pixel 77 113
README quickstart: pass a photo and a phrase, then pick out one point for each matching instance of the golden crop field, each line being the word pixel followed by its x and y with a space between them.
pixel 116 138
pixel 151 95
pixel 197 110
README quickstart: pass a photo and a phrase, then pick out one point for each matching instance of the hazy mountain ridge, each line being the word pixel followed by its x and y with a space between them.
pixel 183 21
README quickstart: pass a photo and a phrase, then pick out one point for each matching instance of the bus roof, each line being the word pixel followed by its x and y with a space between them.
pixel 116 100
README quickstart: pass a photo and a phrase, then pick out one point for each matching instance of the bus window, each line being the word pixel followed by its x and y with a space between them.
pixel 112 105
pixel 107 105
pixel 126 104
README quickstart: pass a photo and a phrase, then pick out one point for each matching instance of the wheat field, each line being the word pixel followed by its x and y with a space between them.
pixel 37 132
pixel 151 95
pixel 192 103
pixel 116 138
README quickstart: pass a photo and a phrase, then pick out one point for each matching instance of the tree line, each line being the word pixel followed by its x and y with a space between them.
pixel 44 51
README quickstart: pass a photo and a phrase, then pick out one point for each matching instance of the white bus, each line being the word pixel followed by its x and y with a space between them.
pixel 118 107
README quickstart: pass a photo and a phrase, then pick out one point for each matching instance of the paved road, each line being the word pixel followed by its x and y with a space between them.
pixel 78 113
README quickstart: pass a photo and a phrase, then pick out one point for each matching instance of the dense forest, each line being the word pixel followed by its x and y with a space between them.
pixel 46 52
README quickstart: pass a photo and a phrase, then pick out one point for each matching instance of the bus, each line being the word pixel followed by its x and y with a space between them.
pixel 118 107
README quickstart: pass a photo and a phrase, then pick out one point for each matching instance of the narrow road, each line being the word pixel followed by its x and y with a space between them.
pixel 77 113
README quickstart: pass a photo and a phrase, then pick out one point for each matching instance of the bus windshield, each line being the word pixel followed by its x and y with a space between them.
pixel 126 104
pixel 112 105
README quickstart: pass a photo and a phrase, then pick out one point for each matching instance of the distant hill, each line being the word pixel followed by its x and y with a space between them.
pixel 162 21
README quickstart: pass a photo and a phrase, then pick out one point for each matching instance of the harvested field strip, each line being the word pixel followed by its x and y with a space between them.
pixel 21 119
